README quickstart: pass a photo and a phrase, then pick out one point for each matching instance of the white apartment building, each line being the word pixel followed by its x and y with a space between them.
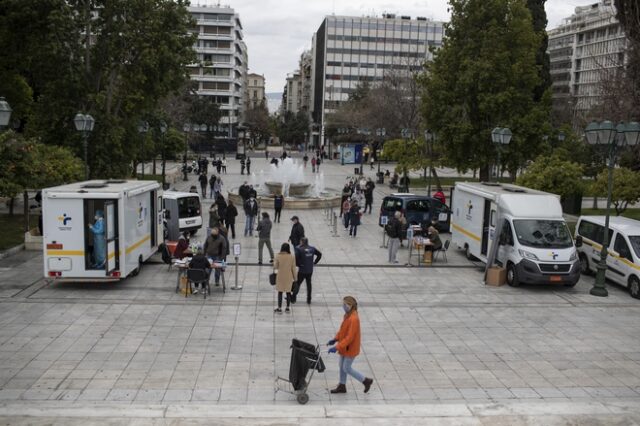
pixel 292 94
pixel 255 91
pixel 222 63
pixel 350 50
pixel 586 48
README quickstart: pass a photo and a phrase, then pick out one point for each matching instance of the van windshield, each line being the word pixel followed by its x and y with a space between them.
pixel 635 243
pixel 188 207
pixel 543 233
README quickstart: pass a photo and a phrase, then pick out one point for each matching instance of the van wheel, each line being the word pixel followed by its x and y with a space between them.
pixel 467 253
pixel 634 287
pixel 584 265
pixel 136 271
pixel 512 275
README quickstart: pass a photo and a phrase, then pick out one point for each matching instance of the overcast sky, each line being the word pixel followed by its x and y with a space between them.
pixel 277 31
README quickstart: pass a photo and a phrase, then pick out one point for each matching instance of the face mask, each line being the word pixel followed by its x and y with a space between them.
pixel 346 308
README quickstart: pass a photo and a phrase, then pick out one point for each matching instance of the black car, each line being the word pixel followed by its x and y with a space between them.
pixel 418 209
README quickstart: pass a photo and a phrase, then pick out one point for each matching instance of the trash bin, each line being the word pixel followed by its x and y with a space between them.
pixel 380 176
pixel 356 170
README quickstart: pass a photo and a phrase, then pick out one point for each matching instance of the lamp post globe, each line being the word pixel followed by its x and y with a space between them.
pixel 5 112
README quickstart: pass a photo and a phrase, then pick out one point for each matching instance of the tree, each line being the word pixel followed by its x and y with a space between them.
pixel 539 21
pixel 628 13
pixel 292 128
pixel 626 187
pixel 257 122
pixel 553 174
pixel 478 82
pixel 25 163
pixel 409 154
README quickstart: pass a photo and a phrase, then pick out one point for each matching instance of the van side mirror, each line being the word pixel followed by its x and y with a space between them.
pixel 579 241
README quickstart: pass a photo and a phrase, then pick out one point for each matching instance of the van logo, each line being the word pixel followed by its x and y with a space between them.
pixel 555 256
pixel 555 267
pixel 142 213
pixel 64 219
pixel 469 208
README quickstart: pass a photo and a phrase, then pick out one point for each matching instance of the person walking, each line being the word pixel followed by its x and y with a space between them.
pixel 223 164
pixel 306 257
pixel 242 165
pixel 214 218
pixel 217 186
pixel 368 195
pixel 251 211
pixel 212 183
pixel 221 204
pixel 203 184
pixel 346 208
pixel 346 194
pixel 313 164
pixel 278 204
pixel 305 160
pixel 347 344
pixel 285 269
pixel 216 249
pixel 248 165
pixel 264 237
pixel 354 219
pixel 297 232
pixel 231 212
pixel 394 230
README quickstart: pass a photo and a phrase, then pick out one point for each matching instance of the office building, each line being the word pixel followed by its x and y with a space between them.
pixel 587 48
pixel 348 51
pixel 222 63
pixel 292 93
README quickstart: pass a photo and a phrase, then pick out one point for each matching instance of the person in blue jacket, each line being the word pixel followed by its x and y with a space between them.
pixel 306 257
pixel 99 243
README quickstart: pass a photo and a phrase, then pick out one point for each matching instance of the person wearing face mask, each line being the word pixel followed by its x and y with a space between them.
pixel 216 249
pixel 347 344
pixel 99 243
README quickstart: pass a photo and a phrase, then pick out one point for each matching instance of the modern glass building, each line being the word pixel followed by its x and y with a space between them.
pixel 348 51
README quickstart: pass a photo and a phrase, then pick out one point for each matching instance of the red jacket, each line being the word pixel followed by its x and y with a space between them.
pixel 348 336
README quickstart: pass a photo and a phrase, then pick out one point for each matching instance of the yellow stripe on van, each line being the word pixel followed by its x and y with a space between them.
pixel 465 232
pixel 610 253
pixel 138 244
pixel 111 255
pixel 65 252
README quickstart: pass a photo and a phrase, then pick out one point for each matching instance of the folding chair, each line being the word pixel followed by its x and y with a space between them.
pixel 167 258
pixel 442 250
pixel 199 276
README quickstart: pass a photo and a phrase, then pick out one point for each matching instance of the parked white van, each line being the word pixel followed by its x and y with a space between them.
pixel 623 260
pixel 534 243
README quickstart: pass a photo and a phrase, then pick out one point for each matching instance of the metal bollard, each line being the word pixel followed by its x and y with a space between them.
pixel 384 238
pixel 335 225
pixel 235 285
pixel 331 214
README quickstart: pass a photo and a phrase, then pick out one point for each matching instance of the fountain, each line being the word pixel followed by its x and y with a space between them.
pixel 289 180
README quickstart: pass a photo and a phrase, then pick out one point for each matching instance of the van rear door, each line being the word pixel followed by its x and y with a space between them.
pixel 111 235
pixel 390 205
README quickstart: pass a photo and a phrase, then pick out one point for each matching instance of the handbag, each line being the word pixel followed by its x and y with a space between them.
pixel 272 278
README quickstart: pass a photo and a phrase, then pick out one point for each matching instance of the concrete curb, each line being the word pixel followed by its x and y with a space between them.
pixel 11 251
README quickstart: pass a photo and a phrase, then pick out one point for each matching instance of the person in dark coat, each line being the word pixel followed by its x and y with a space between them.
pixel 248 162
pixel 278 204
pixel 251 211
pixel 230 214
pixel 212 183
pixel 182 246
pixel 222 209
pixel 200 261
pixel 242 165
pixel 243 191
pixel 354 219
pixel 216 249
pixel 368 195
pixel 203 184
pixel 306 257
pixel 297 232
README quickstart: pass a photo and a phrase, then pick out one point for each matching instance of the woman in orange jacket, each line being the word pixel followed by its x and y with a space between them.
pixel 347 344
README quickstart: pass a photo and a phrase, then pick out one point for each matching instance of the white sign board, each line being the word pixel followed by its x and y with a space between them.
pixel 236 249
pixel 384 220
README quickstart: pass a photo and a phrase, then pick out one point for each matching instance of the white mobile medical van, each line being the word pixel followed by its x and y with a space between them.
pixel 183 212
pixel 534 243
pixel 623 259
pixel 100 230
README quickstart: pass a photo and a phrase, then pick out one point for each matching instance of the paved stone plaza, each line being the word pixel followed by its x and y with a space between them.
pixel 442 347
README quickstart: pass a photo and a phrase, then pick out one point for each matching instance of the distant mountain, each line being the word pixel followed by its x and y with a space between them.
pixel 274 100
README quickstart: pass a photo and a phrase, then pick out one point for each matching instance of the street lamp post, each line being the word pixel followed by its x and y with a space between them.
pixel 84 123
pixel 241 134
pixel 500 136
pixel 611 137
pixel 430 138
pixel 381 134
pixel 163 130
pixel 406 134
pixel 143 128
pixel 5 113
pixel 186 128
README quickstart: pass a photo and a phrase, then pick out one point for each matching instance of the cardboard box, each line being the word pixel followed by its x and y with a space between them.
pixel 496 276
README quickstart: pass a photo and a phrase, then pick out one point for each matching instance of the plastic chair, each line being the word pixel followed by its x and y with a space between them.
pixel 442 250
pixel 199 276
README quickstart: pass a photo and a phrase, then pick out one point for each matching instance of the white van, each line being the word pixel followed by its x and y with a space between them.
pixel 183 212
pixel 534 243
pixel 623 260
pixel 100 230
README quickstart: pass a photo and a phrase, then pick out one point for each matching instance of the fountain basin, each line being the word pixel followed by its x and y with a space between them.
pixel 295 189
pixel 331 199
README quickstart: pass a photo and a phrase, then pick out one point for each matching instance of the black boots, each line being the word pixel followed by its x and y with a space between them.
pixel 339 389
pixel 367 384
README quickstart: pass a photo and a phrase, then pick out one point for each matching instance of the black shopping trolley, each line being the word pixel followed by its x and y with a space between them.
pixel 304 357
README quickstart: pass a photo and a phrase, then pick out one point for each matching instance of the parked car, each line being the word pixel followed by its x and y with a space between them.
pixel 418 209
pixel 623 260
